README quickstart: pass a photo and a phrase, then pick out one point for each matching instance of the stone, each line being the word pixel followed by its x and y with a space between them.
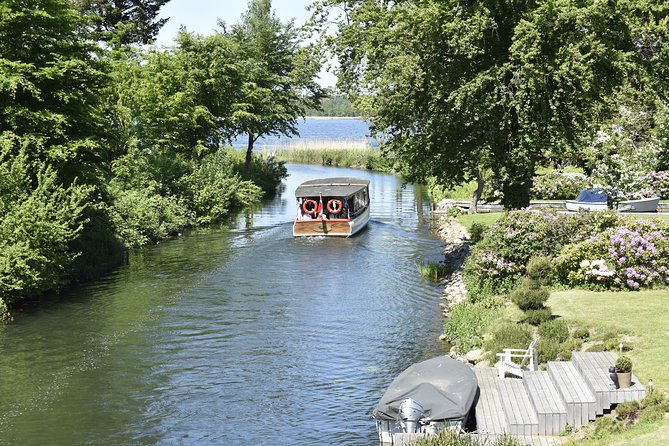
pixel 475 355
pixel 482 364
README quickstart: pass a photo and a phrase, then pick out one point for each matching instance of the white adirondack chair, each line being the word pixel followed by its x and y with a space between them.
pixel 528 360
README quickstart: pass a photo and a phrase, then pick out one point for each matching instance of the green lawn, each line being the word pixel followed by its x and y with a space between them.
pixel 642 314
pixel 486 218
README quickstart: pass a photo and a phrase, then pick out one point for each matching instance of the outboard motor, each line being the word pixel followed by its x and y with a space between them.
pixel 410 413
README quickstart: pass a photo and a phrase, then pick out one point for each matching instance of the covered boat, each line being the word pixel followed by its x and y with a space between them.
pixel 597 199
pixel 427 397
pixel 331 207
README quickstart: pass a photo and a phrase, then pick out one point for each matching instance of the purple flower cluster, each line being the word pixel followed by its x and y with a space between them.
pixel 494 265
pixel 635 250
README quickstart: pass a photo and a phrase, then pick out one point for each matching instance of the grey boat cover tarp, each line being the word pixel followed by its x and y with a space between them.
pixel 444 386
pixel 331 187
pixel 592 196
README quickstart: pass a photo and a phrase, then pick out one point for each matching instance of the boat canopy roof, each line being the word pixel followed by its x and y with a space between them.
pixel 331 187
pixel 444 387
pixel 592 196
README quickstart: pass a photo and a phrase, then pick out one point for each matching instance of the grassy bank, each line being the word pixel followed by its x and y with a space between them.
pixel 488 218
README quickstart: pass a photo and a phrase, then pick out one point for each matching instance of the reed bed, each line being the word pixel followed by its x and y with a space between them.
pixel 434 271
pixel 337 153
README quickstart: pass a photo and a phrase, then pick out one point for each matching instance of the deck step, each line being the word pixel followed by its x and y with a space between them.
pixel 579 400
pixel 547 402
pixel 519 411
pixel 594 366
pixel 490 418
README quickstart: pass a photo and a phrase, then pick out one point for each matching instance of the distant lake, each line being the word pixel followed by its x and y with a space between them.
pixel 317 130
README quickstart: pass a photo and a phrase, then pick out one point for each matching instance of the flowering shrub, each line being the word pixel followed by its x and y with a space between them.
pixel 500 257
pixel 558 185
pixel 632 255
pixel 658 182
pixel 591 249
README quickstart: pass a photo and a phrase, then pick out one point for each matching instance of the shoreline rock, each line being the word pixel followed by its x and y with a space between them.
pixel 456 249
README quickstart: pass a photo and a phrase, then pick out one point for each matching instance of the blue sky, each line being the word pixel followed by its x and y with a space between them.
pixel 201 16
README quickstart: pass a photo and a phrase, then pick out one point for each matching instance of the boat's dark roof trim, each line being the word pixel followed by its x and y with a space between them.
pixel 331 187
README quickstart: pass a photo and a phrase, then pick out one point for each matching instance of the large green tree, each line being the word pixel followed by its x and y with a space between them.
pixel 49 85
pixel 49 141
pixel 278 76
pixel 123 22
pixel 462 87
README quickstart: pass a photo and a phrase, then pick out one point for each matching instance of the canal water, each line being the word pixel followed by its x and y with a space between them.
pixel 234 335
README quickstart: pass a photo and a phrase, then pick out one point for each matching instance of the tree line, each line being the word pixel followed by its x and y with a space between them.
pixel 107 144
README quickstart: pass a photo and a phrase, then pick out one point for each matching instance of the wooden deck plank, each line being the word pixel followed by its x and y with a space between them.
pixel 519 410
pixel 579 400
pixel 594 366
pixel 597 365
pixel 547 402
pixel 490 416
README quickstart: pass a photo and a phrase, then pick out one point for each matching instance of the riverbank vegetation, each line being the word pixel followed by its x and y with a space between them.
pixel 106 145
pixel 608 278
pixel 566 183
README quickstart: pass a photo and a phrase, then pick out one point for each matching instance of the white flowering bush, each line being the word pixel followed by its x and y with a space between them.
pixel 559 185
pixel 624 155
pixel 658 182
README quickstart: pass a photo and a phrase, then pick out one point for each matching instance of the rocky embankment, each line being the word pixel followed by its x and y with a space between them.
pixel 456 248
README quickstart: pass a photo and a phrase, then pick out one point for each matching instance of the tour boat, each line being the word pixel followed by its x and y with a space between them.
pixel 427 397
pixel 597 200
pixel 336 207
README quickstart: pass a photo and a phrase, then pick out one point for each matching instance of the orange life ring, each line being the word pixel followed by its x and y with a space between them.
pixel 310 207
pixel 335 206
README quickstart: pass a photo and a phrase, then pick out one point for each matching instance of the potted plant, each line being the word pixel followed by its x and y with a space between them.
pixel 624 371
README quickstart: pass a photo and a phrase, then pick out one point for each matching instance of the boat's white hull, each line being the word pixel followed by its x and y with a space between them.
pixel 643 205
pixel 575 206
pixel 331 228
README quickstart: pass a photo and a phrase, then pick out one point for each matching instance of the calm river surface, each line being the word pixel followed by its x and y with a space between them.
pixel 239 335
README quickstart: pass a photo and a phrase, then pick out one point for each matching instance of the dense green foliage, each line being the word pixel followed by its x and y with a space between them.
pixel 50 149
pixel 468 322
pixel 105 145
pixel 623 364
pixel 448 437
pixel 123 22
pixel 463 88
pixel 507 335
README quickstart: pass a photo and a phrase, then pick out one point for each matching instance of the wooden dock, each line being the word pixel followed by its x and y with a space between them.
pixel 538 408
